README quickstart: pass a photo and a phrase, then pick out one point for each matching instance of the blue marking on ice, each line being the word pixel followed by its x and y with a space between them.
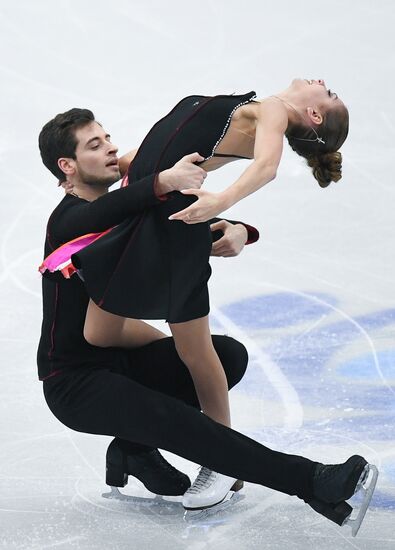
pixel 363 367
pixel 255 384
pixel 277 310
pixel 352 391
pixel 377 319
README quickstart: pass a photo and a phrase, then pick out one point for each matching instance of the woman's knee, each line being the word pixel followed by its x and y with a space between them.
pixel 100 337
pixel 234 358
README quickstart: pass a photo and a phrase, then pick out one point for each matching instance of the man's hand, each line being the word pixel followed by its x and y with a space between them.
pixel 233 241
pixel 183 175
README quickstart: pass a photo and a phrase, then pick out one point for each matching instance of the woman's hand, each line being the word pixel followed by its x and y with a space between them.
pixel 67 186
pixel 185 174
pixel 208 206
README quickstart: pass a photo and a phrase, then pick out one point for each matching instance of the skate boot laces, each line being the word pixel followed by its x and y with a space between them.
pixel 161 464
pixel 204 479
pixel 334 483
pixel 326 472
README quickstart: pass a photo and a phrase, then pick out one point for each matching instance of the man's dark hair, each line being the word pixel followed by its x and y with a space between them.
pixel 57 138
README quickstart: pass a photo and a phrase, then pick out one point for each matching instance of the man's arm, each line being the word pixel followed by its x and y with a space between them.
pixel 84 217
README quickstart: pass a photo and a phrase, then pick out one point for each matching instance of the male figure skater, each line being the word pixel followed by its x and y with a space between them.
pixel 79 153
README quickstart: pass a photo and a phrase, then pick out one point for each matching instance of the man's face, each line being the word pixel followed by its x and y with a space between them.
pixel 96 157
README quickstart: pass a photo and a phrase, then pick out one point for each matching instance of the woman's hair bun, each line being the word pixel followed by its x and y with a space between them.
pixel 326 167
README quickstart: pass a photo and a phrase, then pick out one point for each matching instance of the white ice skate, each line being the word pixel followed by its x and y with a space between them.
pixel 209 490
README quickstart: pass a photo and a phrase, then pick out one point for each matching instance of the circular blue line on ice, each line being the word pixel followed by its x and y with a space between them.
pixel 283 309
pixel 363 367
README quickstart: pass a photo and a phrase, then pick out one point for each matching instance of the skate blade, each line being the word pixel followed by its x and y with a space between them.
pixel 230 500
pixel 116 494
pixel 366 484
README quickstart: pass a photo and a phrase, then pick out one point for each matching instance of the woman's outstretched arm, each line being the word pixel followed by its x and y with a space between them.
pixel 272 123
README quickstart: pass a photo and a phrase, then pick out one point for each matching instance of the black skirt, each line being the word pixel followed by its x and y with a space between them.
pixel 154 268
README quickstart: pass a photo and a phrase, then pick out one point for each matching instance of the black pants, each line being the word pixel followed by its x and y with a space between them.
pixel 148 399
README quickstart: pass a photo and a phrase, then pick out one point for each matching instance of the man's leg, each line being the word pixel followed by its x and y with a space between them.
pixel 158 366
pixel 99 401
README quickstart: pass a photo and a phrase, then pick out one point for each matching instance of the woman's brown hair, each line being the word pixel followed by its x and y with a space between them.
pixel 324 158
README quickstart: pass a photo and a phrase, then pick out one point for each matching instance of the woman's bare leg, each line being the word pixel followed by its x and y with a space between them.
pixel 195 348
pixel 193 343
pixel 105 329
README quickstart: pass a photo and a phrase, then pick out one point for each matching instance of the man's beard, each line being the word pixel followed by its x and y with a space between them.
pixel 96 181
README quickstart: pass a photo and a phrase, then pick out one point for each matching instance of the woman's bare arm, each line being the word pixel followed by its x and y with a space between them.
pixel 271 126
pixel 125 160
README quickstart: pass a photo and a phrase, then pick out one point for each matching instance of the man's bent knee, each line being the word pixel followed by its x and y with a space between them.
pixel 234 358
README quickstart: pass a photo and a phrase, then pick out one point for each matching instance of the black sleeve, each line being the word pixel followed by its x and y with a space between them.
pixel 253 233
pixel 80 217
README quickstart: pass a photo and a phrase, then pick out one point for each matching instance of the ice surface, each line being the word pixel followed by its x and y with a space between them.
pixel 314 299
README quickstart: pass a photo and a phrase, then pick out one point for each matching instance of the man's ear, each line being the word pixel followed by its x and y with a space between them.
pixel 314 115
pixel 67 166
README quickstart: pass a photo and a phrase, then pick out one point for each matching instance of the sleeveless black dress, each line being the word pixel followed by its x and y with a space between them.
pixel 154 268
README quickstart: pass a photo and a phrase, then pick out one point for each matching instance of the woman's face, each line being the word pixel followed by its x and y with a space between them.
pixel 314 92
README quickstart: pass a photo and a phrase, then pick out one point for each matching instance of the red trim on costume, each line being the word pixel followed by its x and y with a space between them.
pixel 125 180
pixel 68 271
pixel 159 196
pixel 54 321
pixel 54 373
pixel 253 233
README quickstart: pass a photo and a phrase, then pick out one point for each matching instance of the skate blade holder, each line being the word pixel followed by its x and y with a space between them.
pixel 116 494
pixel 232 497
pixel 367 486
pixel 196 515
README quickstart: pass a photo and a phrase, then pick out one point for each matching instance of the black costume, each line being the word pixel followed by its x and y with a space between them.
pixel 66 360
pixel 172 277
pixel 65 301
pixel 146 397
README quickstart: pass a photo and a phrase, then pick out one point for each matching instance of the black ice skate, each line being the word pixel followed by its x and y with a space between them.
pixel 156 474
pixel 333 484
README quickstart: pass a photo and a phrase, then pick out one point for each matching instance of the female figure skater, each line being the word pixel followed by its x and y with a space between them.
pixel 173 282
pixel 170 281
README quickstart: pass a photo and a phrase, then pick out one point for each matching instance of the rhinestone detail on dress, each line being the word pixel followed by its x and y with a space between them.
pixel 227 125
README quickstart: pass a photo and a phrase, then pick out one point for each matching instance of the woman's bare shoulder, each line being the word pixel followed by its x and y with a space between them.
pixel 272 111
